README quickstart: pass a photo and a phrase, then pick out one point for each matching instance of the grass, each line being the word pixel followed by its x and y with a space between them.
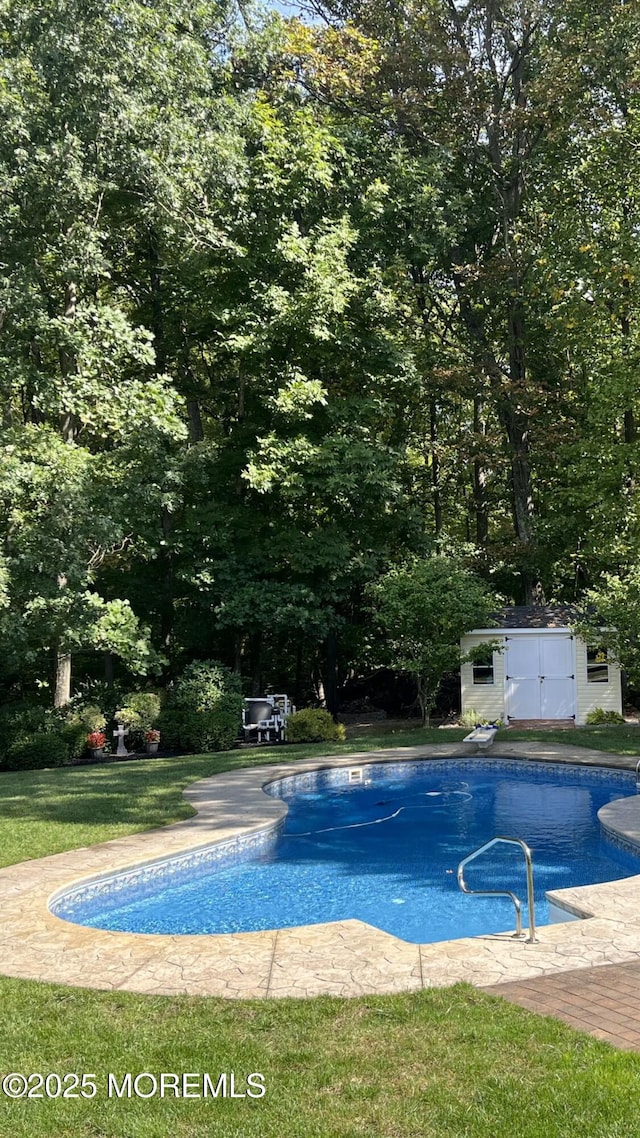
pixel 62 809
pixel 452 1063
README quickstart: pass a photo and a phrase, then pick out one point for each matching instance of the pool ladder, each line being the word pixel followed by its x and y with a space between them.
pixel 638 776
pixel 531 939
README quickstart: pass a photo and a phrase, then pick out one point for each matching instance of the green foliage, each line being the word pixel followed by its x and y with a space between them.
pixel 89 717
pixel 140 711
pixel 203 709
pixel 314 725
pixel 75 725
pixel 22 719
pixel 599 715
pixel 611 618
pixel 469 718
pixel 258 345
pixel 421 611
pixel 36 752
pixel 29 722
pixel 75 737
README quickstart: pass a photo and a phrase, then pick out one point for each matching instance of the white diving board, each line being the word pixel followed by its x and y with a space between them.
pixel 482 736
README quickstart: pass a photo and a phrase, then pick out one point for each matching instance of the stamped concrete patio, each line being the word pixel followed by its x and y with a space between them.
pixel 346 958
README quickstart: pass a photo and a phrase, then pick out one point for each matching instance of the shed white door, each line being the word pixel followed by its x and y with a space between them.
pixel 540 677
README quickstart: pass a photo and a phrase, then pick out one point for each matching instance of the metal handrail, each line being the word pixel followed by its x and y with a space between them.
pixel 532 939
pixel 638 776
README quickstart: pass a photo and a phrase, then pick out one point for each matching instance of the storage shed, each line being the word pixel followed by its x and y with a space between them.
pixel 544 671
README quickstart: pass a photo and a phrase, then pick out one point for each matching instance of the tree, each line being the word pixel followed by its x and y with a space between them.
pixel 487 99
pixel 104 135
pixel 611 619
pixel 421 610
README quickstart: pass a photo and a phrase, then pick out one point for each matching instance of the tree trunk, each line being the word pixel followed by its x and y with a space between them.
pixel 480 479
pixel 238 649
pixel 156 301
pixel 256 663
pixel 331 675
pixel 69 425
pixel 166 598
pixel 513 418
pixel 297 687
pixel 423 701
pixel 196 432
pixel 62 688
pixel 435 468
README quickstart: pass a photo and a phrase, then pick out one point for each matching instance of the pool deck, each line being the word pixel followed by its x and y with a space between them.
pixel 346 958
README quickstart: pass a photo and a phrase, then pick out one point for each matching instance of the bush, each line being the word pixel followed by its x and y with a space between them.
pixel 141 710
pixel 313 725
pixel 20 720
pixel 75 737
pixel 98 693
pixel 473 718
pixel 77 724
pixel 599 716
pixel 90 717
pixel 38 752
pixel 469 718
pixel 139 713
pixel 203 710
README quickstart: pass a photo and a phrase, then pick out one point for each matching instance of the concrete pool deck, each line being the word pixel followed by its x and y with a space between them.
pixel 346 958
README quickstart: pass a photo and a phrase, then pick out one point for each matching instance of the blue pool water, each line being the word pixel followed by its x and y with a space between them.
pixel 384 850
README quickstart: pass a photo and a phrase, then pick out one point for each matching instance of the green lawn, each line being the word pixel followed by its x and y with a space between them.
pixel 451 1063
pixel 49 811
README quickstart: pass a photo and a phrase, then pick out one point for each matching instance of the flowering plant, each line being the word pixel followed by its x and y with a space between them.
pixel 152 736
pixel 96 739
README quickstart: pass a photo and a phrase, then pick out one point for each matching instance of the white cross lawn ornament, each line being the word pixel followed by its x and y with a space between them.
pixel 121 732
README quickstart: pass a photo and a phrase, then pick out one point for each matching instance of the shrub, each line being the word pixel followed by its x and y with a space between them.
pixel 98 693
pixel 37 752
pixel 90 717
pixel 75 737
pixel 139 713
pixel 313 725
pixel 469 718
pixel 75 725
pixel 472 718
pixel 203 709
pixel 23 719
pixel 599 715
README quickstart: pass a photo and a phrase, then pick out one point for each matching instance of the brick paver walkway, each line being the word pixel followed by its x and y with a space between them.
pixel 603 1001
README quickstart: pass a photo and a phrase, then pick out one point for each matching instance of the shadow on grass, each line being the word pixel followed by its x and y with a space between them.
pixel 148 792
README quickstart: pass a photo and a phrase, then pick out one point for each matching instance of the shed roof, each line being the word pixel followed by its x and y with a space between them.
pixel 536 616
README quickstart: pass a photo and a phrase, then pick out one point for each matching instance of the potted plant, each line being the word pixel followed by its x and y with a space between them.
pixel 151 741
pixel 95 742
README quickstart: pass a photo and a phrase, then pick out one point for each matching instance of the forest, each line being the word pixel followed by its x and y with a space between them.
pixel 296 307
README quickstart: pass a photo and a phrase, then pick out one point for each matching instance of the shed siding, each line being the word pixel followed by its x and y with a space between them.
pixel 486 699
pixel 589 696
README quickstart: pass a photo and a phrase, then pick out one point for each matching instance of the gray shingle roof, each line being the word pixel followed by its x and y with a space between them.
pixel 536 616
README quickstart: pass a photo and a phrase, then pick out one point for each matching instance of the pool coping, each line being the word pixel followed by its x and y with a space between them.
pixel 345 958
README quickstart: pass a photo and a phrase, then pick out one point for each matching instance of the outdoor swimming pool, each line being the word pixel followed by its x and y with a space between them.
pixel 381 843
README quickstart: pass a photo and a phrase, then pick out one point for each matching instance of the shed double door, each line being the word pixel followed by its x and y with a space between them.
pixel 540 677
